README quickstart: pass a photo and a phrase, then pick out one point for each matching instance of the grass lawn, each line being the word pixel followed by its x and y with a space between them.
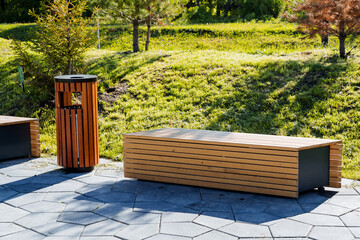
pixel 253 78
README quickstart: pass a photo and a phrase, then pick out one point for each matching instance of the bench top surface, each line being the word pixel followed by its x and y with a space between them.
pixel 271 141
pixel 9 120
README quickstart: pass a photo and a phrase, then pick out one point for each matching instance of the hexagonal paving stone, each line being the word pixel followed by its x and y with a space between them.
pixel 67 186
pixel 104 228
pixel 36 219
pixel 226 196
pixel 288 228
pixel 111 209
pixel 137 232
pixel 215 219
pixel 9 228
pixel 82 205
pixel 249 206
pixel 153 195
pixel 60 229
pixel 167 237
pixel 116 197
pixel 6 193
pixel 138 218
pixel 27 234
pixel 327 209
pixel 97 180
pixel 210 206
pixel 215 235
pixel 312 197
pixel 351 219
pixel 50 180
pixel 256 218
pixel 31 187
pixel 83 218
pixel 318 219
pixel 13 181
pixel 154 206
pixel 93 190
pixel 272 199
pixel 44 206
pixel 10 214
pixel 183 229
pixel 351 202
pixel 184 198
pixel 244 230
pixel 355 231
pixel 331 233
pixel 284 210
pixel 61 197
pixel 25 198
pixel 22 173
pixel 178 216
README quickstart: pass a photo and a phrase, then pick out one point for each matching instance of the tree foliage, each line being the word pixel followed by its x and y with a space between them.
pixel 340 18
pixel 61 38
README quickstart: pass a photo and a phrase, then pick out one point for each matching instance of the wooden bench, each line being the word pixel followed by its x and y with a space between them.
pixel 275 165
pixel 19 137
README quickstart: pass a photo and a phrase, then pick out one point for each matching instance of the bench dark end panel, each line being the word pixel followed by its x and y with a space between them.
pixel 313 168
pixel 15 141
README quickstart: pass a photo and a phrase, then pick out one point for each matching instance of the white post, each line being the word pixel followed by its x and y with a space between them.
pixel 98 30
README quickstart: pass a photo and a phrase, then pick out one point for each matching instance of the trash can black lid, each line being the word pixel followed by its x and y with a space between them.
pixel 75 78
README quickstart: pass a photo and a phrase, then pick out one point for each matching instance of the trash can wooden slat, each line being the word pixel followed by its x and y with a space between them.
pixel 77 124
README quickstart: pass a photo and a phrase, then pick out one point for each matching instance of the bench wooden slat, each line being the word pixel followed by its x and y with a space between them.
pixel 212 185
pixel 196 146
pixel 276 177
pixel 205 162
pixel 259 161
pixel 207 173
pixel 164 149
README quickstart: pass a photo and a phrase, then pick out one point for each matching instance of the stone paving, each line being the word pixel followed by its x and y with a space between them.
pixel 38 200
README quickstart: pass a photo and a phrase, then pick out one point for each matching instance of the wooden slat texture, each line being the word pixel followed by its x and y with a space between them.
pixel 335 165
pixel 212 163
pixel 68 138
pixel 75 163
pixel 196 146
pixel 95 117
pixel 72 87
pixel 78 87
pixel 276 177
pixel 183 169
pixel 91 125
pixel 61 87
pixel 214 178
pixel 63 137
pixel 160 150
pixel 35 138
pixel 262 159
pixel 66 87
pixel 81 138
pixel 240 139
pixel 211 184
pixel 85 106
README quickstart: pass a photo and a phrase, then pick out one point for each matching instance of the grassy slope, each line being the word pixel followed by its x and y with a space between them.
pixel 222 89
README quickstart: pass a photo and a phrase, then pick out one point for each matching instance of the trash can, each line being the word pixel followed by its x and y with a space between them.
pixel 77 122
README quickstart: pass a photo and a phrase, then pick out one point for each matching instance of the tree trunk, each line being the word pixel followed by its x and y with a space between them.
pixel 325 39
pixel 342 47
pixel 227 8
pixel 136 35
pixel 148 35
pixel 198 3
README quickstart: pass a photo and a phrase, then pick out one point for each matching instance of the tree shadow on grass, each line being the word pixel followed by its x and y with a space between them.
pixel 20 33
pixel 280 98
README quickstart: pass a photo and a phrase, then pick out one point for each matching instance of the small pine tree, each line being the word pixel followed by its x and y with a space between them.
pixel 61 38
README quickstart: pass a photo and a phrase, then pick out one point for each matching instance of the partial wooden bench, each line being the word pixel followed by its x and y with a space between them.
pixel 19 137
pixel 275 165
